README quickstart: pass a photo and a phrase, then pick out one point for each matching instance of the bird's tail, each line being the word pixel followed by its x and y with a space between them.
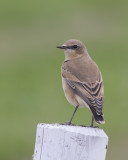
pixel 98 118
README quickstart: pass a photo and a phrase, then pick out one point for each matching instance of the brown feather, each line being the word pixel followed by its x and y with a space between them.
pixel 86 82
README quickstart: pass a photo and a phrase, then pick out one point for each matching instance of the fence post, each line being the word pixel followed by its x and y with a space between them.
pixel 62 142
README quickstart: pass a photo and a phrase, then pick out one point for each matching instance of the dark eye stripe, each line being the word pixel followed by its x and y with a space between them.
pixel 72 47
pixel 75 46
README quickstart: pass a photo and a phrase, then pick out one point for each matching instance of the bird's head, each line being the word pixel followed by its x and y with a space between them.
pixel 73 49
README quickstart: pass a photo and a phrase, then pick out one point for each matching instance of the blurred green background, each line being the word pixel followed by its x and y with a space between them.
pixel 30 81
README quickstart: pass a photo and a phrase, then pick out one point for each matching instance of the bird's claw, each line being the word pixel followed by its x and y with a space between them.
pixel 69 123
pixel 93 126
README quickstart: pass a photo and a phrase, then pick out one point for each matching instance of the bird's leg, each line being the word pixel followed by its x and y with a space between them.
pixel 69 123
pixel 92 121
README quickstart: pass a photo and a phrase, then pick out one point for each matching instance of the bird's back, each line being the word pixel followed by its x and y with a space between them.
pixel 83 68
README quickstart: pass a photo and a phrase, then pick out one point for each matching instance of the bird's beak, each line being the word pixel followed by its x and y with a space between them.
pixel 61 47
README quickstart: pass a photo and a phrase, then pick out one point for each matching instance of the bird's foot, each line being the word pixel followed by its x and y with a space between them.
pixel 69 123
pixel 94 126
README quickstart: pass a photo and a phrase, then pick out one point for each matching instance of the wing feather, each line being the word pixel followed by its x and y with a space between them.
pixel 91 93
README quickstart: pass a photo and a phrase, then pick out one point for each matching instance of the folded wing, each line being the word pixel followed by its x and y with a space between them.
pixel 91 92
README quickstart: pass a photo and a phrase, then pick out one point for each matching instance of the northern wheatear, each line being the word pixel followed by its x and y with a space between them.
pixel 82 80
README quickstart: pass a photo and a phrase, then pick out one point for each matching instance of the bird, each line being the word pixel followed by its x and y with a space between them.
pixel 82 80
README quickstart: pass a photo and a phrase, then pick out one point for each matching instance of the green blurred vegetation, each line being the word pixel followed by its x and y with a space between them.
pixel 30 81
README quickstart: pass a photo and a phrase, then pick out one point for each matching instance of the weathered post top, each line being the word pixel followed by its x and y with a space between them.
pixel 63 142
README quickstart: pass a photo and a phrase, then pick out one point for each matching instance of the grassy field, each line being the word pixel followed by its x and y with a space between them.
pixel 30 81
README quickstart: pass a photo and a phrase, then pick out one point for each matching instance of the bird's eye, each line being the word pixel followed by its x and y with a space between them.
pixel 75 46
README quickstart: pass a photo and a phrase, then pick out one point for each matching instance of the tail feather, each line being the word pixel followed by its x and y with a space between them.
pixel 98 118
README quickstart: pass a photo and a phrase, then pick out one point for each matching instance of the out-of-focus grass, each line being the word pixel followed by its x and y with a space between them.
pixel 30 81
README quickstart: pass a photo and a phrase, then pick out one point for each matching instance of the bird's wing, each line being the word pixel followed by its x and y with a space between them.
pixel 91 93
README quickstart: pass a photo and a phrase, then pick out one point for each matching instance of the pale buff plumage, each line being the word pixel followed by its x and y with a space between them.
pixel 82 80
